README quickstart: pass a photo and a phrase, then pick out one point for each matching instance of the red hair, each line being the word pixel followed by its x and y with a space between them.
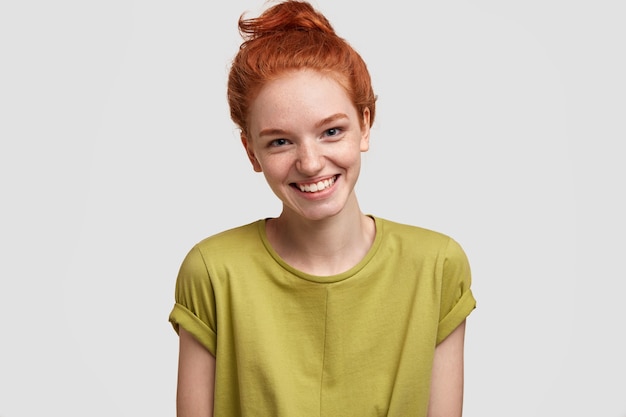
pixel 289 36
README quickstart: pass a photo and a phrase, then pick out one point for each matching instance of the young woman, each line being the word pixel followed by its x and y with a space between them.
pixel 323 310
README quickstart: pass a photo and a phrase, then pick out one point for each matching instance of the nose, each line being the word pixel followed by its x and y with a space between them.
pixel 310 158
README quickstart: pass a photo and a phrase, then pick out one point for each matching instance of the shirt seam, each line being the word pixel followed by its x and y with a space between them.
pixel 324 353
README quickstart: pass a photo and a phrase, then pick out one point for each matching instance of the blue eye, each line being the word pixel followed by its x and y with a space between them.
pixel 279 142
pixel 333 131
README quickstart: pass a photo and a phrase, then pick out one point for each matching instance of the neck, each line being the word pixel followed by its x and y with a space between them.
pixel 322 247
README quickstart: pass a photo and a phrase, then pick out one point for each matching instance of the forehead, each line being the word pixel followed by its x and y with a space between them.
pixel 298 97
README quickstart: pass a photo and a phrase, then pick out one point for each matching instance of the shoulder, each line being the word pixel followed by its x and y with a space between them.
pixel 416 236
pixel 407 240
pixel 226 245
pixel 232 239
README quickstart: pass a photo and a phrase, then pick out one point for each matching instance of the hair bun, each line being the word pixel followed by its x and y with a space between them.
pixel 292 35
pixel 287 16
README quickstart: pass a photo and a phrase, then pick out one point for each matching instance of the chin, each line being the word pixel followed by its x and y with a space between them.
pixel 319 214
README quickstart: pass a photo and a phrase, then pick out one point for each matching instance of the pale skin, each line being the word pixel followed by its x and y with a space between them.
pixel 196 378
pixel 446 386
pixel 303 130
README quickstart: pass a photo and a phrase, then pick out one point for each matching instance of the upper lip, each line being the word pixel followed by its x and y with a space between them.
pixel 316 180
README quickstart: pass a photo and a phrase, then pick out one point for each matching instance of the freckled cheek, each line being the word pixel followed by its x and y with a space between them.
pixel 354 158
pixel 276 169
pixel 346 154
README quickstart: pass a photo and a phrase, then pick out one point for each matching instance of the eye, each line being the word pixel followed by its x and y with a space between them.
pixel 334 131
pixel 279 142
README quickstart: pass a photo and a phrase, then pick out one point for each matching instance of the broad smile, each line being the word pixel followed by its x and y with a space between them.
pixel 314 187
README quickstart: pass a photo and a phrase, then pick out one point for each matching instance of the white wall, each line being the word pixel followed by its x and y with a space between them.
pixel 498 123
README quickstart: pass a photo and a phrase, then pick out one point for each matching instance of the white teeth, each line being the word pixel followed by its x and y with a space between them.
pixel 322 185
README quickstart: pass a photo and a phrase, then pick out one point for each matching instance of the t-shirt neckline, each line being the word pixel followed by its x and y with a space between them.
pixel 324 279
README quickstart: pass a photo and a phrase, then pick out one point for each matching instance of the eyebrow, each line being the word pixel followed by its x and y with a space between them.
pixel 331 119
pixel 324 121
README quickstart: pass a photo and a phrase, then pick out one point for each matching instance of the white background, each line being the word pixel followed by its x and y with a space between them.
pixel 499 123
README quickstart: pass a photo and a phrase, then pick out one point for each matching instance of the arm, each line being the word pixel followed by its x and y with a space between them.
pixel 196 378
pixel 446 390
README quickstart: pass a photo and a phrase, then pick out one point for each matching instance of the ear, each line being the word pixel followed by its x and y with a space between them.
pixel 365 130
pixel 250 152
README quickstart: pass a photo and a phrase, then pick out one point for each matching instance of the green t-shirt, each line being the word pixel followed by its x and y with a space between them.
pixel 291 344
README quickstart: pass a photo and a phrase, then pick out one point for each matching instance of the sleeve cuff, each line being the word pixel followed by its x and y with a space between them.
pixel 182 317
pixel 454 318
